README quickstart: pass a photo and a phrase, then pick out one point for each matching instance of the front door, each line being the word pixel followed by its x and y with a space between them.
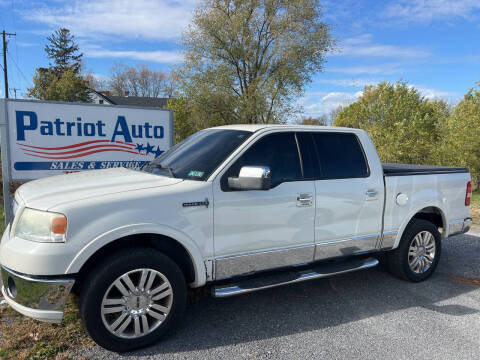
pixel 257 230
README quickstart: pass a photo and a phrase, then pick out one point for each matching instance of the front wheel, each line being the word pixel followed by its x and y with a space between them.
pixel 132 299
pixel 418 253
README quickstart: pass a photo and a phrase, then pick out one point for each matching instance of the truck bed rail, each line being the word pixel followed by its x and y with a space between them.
pixel 391 169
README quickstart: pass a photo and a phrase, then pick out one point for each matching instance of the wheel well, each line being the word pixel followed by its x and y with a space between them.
pixel 432 214
pixel 164 244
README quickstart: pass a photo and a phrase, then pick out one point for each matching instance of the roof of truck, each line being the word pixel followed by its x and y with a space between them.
pixel 256 127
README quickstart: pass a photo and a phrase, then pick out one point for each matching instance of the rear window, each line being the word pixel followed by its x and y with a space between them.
pixel 341 156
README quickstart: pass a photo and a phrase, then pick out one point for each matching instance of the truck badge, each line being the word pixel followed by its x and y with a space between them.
pixel 196 203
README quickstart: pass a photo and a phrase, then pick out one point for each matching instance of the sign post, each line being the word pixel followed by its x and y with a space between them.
pixel 6 178
pixel 45 138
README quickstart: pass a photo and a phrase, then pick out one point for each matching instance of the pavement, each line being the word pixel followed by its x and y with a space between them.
pixel 363 315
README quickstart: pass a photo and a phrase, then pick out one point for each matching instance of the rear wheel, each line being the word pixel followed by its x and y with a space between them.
pixel 418 253
pixel 132 299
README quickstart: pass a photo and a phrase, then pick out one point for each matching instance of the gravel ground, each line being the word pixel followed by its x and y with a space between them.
pixel 367 314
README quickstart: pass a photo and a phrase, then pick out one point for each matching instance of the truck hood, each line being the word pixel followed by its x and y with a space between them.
pixel 48 192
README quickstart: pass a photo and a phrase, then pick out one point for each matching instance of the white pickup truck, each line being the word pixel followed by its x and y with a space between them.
pixel 239 208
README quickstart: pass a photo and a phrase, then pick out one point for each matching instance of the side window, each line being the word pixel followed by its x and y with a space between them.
pixel 277 151
pixel 341 156
pixel 310 164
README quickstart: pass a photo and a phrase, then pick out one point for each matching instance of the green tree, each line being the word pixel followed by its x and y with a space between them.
pixel 460 145
pixel 62 80
pixel 182 114
pixel 48 85
pixel 248 60
pixel 64 52
pixel 405 126
pixel 190 117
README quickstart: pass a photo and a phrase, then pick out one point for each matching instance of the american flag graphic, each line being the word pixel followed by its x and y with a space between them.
pixel 78 150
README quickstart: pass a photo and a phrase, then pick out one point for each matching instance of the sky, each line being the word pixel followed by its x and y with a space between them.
pixel 431 44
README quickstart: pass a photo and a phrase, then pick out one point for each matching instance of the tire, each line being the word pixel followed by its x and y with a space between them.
pixel 102 298
pixel 401 261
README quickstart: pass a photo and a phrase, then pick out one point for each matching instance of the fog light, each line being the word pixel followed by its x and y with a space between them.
pixel 12 289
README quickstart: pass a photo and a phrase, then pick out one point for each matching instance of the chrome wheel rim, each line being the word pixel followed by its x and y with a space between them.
pixel 136 303
pixel 421 253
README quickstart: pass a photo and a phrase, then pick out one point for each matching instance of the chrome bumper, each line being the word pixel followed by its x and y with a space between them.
pixel 39 298
pixel 460 226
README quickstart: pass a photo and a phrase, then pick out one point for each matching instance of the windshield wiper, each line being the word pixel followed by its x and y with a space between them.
pixel 162 167
pixel 170 171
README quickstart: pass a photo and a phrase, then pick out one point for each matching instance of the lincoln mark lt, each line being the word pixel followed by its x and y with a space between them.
pixel 237 208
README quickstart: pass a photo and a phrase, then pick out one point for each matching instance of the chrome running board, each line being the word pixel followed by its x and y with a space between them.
pixel 272 280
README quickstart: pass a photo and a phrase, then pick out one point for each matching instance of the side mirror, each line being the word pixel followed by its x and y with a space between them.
pixel 251 178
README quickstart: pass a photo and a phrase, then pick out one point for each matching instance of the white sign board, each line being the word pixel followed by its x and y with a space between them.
pixel 44 138
pixel 48 138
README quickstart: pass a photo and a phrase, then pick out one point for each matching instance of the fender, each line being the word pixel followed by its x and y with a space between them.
pixel 436 204
pixel 142 228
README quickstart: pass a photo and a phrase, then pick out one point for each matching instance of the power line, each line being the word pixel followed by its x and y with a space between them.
pixel 16 60
pixel 19 70
pixel 15 39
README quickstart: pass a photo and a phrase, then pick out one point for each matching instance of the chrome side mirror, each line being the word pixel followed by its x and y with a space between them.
pixel 251 178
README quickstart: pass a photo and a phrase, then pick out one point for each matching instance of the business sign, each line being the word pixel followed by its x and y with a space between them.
pixel 50 138
pixel 44 138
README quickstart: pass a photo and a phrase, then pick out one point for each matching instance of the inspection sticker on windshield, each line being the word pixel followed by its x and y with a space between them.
pixel 195 173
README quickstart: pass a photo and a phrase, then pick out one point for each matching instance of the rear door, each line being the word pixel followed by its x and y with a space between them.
pixel 349 198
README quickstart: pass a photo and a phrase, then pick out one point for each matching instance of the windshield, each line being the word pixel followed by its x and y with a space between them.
pixel 196 157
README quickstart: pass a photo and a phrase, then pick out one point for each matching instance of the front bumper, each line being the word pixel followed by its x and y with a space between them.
pixel 460 226
pixel 41 298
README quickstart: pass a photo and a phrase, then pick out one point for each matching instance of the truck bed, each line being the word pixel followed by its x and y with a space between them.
pixel 391 169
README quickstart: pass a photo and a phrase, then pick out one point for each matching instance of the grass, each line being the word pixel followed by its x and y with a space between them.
pixel 24 338
pixel 2 220
pixel 475 207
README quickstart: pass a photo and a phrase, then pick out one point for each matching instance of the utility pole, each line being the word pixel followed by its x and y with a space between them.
pixel 5 73
pixel 15 91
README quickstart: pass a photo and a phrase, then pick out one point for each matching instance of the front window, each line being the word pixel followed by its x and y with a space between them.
pixel 278 152
pixel 197 157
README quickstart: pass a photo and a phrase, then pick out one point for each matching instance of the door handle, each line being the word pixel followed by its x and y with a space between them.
pixel 304 200
pixel 371 192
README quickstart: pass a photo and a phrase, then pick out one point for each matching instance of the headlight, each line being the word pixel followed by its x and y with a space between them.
pixel 40 226
pixel 14 206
